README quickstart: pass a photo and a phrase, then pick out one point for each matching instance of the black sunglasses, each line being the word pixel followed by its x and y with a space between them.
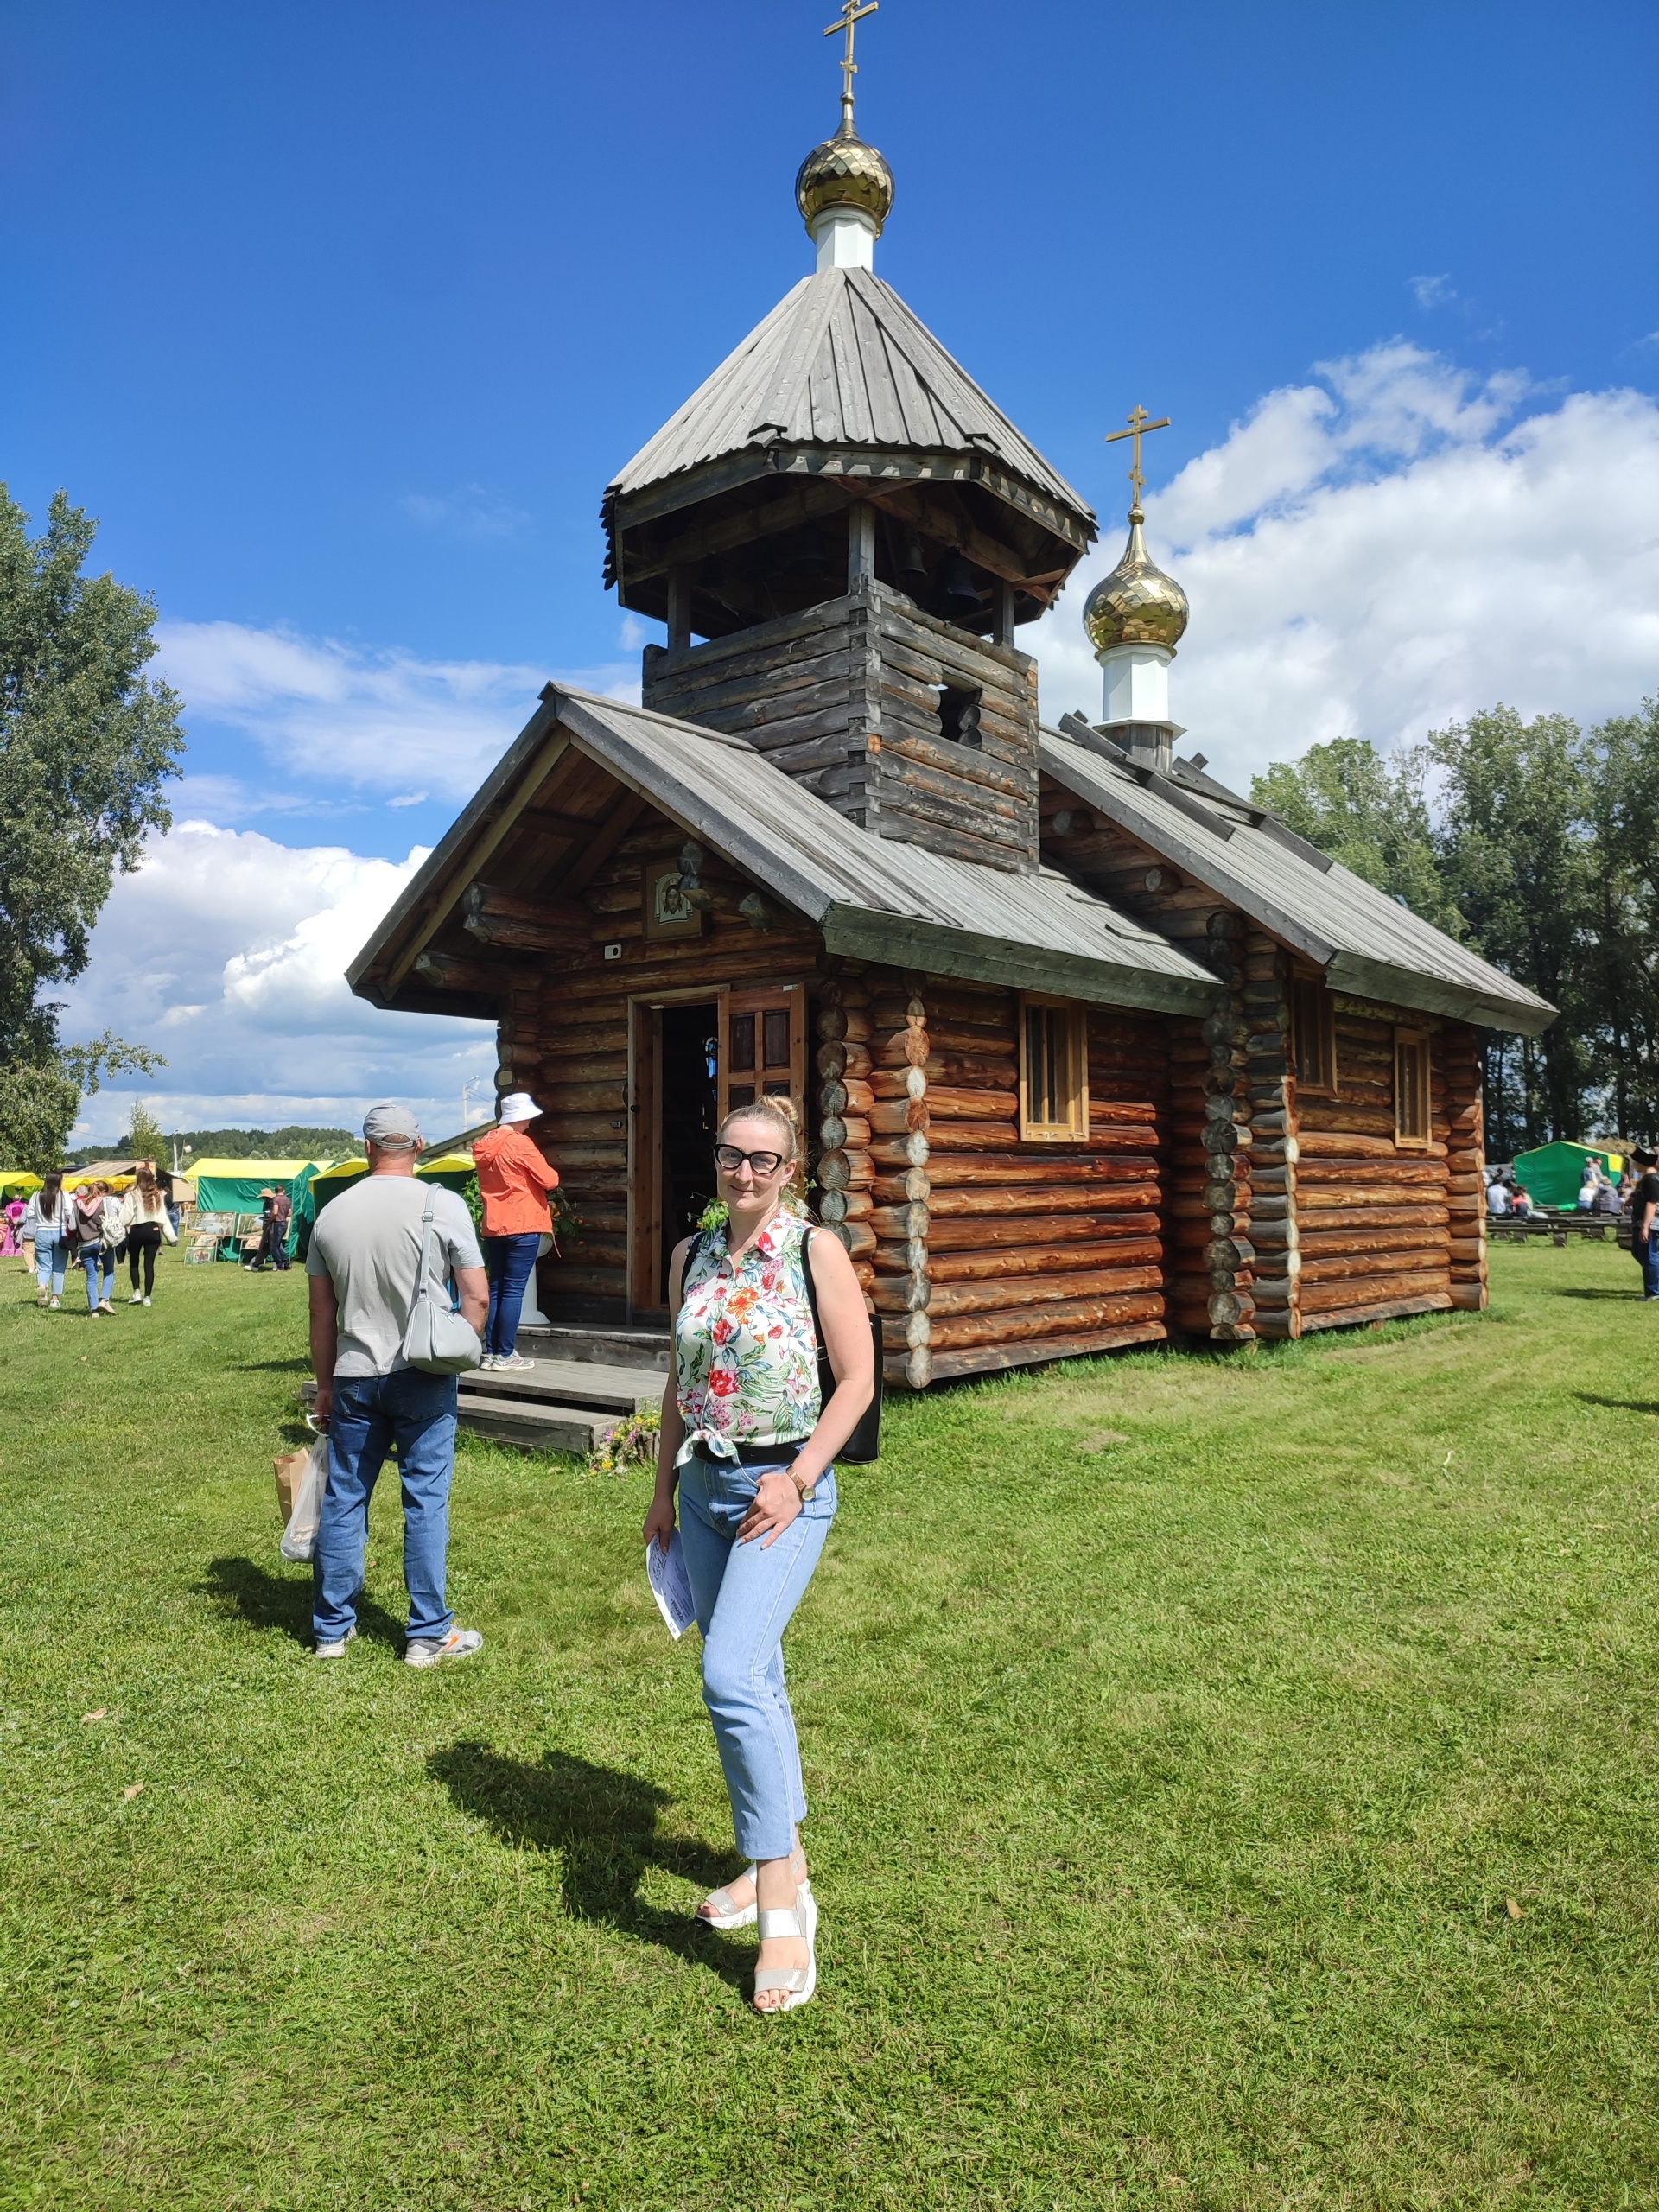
pixel 730 1159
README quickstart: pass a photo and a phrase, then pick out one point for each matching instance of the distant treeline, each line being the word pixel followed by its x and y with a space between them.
pixel 1537 843
pixel 293 1143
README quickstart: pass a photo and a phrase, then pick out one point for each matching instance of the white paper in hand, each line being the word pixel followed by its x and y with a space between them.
pixel 670 1583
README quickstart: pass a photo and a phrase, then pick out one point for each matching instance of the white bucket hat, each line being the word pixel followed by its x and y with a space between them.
pixel 517 1106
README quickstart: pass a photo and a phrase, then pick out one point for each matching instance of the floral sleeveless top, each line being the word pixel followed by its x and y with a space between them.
pixel 746 1351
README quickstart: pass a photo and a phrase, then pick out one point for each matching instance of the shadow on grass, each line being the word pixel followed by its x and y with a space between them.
pixel 603 1825
pixel 284 1602
pixel 1618 1405
pixel 300 1364
pixel 1583 1290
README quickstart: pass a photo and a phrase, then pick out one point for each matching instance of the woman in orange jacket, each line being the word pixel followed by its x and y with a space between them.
pixel 513 1181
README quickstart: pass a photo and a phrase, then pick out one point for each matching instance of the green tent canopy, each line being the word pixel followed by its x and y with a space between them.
pixel 233 1186
pixel 1553 1173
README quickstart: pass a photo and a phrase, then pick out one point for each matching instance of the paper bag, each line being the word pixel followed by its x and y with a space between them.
pixel 290 1468
pixel 300 1538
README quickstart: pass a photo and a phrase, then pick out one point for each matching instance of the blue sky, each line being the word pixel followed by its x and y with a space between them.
pixel 341 316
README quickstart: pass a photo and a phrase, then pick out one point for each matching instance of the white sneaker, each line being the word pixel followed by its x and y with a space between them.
pixel 486 1362
pixel 336 1649
pixel 146 1301
pixel 427 1650
pixel 512 1363
pixel 138 1298
pixel 56 1306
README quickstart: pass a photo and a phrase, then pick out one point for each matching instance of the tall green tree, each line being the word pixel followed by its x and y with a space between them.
pixel 1370 813
pixel 1516 855
pixel 1621 766
pixel 87 742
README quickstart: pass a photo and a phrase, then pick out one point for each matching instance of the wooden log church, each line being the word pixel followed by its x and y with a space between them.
pixel 1094 1051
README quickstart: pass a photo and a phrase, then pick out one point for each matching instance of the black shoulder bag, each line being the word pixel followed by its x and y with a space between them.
pixel 864 1445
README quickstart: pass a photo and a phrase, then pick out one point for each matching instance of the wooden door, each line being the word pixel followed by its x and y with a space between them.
pixel 763 1045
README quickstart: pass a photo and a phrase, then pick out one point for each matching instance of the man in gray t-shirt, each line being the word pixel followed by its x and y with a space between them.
pixel 363 1265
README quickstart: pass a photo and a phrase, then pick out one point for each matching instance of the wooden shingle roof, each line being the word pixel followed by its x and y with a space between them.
pixel 873 898
pixel 1366 942
pixel 841 362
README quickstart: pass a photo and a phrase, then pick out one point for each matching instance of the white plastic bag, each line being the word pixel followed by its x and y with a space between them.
pixel 300 1538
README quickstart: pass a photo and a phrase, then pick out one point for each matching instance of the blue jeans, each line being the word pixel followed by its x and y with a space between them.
pixel 99 1263
pixel 419 1411
pixel 745 1596
pixel 51 1258
pixel 511 1261
pixel 1647 1258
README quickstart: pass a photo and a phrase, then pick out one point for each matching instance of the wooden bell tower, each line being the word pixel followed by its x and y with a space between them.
pixel 842 533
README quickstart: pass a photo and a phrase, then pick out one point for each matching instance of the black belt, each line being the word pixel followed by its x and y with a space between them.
pixel 756 1455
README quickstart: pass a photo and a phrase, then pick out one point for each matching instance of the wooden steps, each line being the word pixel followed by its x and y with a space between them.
pixel 583 1384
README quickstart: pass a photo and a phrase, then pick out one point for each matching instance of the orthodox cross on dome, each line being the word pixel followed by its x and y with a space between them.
pixel 1140 427
pixel 851 14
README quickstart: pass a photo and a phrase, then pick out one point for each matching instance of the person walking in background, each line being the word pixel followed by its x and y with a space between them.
pixel 513 1181
pixel 1645 1202
pixel 364 1267
pixel 14 1210
pixel 97 1231
pixel 143 1218
pixel 749 1441
pixel 49 1224
pixel 277 1211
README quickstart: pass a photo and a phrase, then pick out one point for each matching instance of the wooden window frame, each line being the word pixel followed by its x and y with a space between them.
pixel 1074 1129
pixel 1412 1041
pixel 1306 992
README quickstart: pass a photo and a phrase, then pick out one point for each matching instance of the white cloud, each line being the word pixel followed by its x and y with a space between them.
pixel 1389 549
pixel 369 720
pixel 1432 291
pixel 226 951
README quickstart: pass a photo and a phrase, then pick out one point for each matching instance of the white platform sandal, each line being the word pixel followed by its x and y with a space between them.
pixel 728 1913
pixel 799 1981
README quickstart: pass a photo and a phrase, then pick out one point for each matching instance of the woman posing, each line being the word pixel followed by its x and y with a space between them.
pixel 50 1223
pixel 144 1218
pixel 513 1181
pixel 749 1445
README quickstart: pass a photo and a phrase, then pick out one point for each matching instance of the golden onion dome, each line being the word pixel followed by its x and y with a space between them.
pixel 844 173
pixel 1137 604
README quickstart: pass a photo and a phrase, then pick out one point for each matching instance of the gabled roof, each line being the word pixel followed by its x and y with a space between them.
pixel 841 361
pixel 1367 943
pixel 873 898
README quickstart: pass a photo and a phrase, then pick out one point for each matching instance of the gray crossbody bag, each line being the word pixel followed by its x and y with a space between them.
pixel 437 1340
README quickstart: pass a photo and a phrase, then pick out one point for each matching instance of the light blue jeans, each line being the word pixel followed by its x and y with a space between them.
pixel 99 1263
pixel 51 1261
pixel 744 1595
pixel 371 1411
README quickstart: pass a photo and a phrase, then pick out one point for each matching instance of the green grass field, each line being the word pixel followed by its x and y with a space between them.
pixel 1234 1786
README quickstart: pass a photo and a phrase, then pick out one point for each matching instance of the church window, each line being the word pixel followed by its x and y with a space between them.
pixel 1411 1087
pixel 958 715
pixel 1313 1031
pixel 1053 1072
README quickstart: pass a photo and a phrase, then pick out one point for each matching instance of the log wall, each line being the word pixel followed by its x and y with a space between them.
pixel 985 1252
pixel 1374 1217
pixel 845 697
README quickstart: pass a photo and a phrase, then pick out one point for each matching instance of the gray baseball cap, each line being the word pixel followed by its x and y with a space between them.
pixel 387 1123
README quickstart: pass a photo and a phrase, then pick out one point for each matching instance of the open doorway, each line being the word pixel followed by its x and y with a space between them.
pixel 689 1061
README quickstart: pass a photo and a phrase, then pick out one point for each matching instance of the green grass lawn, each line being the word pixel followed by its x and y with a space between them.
pixel 1234 1786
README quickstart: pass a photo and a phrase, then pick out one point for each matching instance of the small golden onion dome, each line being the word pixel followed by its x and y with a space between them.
pixel 1137 604
pixel 844 173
